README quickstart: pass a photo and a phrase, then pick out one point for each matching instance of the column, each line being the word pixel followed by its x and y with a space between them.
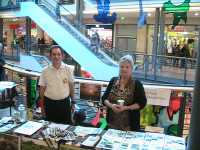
pixel 28 36
pixel 161 39
pixel 162 33
pixel 2 70
pixel 1 29
pixel 194 134
pixel 155 40
pixel 79 14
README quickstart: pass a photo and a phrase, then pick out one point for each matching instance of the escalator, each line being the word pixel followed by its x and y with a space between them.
pixel 69 38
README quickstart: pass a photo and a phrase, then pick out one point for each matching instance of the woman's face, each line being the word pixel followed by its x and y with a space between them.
pixel 125 69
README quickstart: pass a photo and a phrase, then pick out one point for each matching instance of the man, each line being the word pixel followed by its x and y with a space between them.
pixel 58 15
pixel 56 88
pixel 95 42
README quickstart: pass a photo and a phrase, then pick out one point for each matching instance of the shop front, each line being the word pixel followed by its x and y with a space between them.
pixel 180 36
pixel 15 33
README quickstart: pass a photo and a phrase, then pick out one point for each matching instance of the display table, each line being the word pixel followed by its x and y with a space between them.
pixel 37 135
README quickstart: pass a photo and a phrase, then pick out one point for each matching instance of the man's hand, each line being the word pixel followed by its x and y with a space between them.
pixel 41 105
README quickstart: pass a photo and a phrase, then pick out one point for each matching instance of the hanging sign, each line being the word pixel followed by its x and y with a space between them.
pixel 104 15
pixel 179 11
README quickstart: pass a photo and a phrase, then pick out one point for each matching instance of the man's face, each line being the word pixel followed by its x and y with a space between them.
pixel 56 56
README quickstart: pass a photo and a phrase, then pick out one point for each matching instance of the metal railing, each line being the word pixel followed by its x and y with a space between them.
pixel 12 52
pixel 160 68
pixel 171 69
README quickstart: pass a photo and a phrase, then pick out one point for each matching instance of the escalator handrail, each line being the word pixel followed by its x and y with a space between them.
pixel 67 21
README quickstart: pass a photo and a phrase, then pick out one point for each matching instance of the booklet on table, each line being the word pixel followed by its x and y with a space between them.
pixel 29 128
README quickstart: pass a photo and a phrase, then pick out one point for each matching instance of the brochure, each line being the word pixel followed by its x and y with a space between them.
pixel 7 127
pixel 83 131
pixel 29 128
pixel 60 126
pixel 116 139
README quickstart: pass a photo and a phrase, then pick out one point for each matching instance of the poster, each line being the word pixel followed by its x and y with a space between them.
pixel 158 96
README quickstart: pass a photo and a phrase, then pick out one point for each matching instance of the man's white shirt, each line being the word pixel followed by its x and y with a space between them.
pixel 56 81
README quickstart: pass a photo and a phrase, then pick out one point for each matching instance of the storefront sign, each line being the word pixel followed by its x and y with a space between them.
pixel 104 14
pixel 13 26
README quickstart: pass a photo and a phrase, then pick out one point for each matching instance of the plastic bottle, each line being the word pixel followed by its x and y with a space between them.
pixel 22 111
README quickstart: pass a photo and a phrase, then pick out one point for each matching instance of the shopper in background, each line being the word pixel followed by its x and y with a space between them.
pixel 124 88
pixel 185 53
pixel 176 52
pixel 56 88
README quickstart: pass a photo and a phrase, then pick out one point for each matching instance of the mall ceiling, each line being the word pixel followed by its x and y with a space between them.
pixel 145 2
pixel 130 8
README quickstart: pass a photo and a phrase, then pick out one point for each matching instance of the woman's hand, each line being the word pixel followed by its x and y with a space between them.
pixel 118 108
pixel 114 108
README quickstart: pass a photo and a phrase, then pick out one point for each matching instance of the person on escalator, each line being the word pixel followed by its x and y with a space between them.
pixel 124 98
pixel 95 42
pixel 57 88
pixel 58 15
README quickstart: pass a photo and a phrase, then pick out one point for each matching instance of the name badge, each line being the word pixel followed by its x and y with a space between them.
pixel 65 80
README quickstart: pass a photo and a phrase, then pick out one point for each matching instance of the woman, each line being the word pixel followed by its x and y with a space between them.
pixel 126 116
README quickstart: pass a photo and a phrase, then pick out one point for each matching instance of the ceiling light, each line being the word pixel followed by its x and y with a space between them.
pixel 149 14
pixel 122 18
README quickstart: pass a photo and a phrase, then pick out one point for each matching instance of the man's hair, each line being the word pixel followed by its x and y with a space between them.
pixel 54 47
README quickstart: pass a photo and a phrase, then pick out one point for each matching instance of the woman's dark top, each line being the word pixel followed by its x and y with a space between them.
pixel 132 93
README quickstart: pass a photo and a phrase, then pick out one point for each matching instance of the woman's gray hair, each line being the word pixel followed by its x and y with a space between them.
pixel 127 58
